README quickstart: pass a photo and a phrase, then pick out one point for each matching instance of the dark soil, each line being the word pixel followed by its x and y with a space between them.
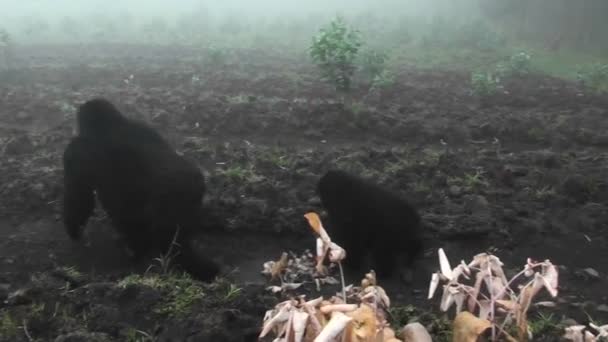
pixel 522 174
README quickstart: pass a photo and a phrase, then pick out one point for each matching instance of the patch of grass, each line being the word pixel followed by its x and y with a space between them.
pixel 484 83
pixel 402 315
pixel 356 107
pixel 232 292
pixel 544 325
pixel 360 117
pixel 372 63
pixel 537 134
pixel 384 80
pixel 471 181
pixel 594 77
pixel 71 272
pixel 240 99
pixel 545 192
pixel 8 326
pixel 460 59
pixel 563 64
pixel 180 290
pixel 432 156
pixel 241 173
pixel 475 180
pixel 35 310
pixel 441 328
pixel 224 291
pixel 277 157
pixel 422 187
pixel 351 164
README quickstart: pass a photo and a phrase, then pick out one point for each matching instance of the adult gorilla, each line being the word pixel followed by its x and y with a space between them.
pixel 146 188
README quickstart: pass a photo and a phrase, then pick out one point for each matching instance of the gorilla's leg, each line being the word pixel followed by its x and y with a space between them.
pixel 384 261
pixel 79 197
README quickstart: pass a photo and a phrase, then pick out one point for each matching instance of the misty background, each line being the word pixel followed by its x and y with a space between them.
pixel 550 24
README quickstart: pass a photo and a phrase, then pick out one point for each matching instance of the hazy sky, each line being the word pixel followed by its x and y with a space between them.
pixel 144 7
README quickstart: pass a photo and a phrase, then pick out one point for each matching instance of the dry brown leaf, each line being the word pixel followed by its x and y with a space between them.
pixel 314 221
pixel 521 315
pixel 509 305
pixel 364 325
pixel 467 327
pixel 279 267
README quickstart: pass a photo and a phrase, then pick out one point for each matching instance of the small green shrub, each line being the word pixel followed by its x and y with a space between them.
pixel 517 65
pixel 383 80
pixel 484 83
pixel 594 77
pixel 334 51
pixel 372 64
pixel 5 37
pixel 520 63
pixel 215 56
pixel 5 48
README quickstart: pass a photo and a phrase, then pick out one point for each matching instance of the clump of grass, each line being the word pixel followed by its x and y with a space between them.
pixel 544 325
pixel 277 157
pixel 441 327
pixel 71 272
pixel 232 292
pixel 402 315
pixel 594 77
pixel 240 173
pixel 475 180
pixel 484 83
pixel 545 193
pixel 241 98
pixel 372 63
pixel 518 64
pixel 180 290
pixel 215 56
pixel 383 80
pixel 8 326
pixel 470 181
pixel 165 260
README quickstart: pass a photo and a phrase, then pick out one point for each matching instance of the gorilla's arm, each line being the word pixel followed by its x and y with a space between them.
pixel 79 198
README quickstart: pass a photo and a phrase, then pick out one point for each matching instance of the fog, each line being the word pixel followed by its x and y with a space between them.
pixel 579 25
pixel 77 21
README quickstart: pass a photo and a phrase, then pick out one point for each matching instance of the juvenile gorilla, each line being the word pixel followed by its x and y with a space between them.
pixel 145 187
pixel 365 218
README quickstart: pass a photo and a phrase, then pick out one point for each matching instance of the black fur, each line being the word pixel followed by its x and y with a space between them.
pixel 365 218
pixel 146 188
